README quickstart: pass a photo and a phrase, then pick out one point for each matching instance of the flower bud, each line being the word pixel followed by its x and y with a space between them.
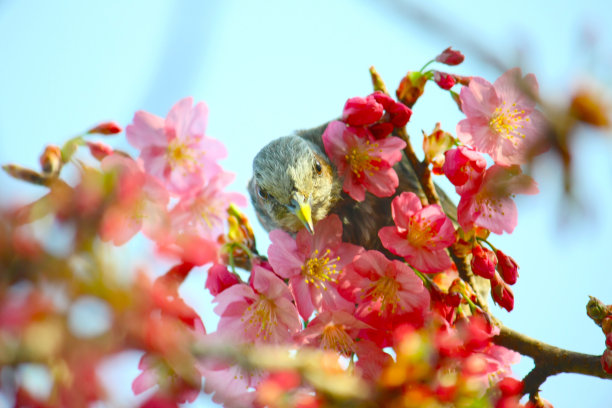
pixel 399 114
pixel 609 341
pixel 219 278
pixel 606 324
pixel 606 361
pixel 588 107
pixel 434 146
pixel 450 57
pixel 411 88
pixel 483 262
pixel 597 310
pixel 360 111
pixel 99 150
pixel 502 295
pixel 381 130
pixel 106 128
pixel 444 80
pixel 51 160
pixel 510 386
pixel 507 267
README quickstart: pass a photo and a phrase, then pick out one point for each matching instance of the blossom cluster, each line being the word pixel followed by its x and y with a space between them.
pixel 396 322
pixel 361 145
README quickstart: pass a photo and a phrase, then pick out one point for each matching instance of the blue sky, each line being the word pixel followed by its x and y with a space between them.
pixel 268 68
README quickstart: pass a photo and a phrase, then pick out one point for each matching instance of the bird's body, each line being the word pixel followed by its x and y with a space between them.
pixel 295 168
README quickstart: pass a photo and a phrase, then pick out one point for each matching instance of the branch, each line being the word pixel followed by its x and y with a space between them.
pixel 549 360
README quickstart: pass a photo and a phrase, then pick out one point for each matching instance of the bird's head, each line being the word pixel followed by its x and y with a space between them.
pixel 293 184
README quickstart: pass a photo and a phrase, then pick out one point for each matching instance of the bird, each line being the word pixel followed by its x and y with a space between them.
pixel 294 185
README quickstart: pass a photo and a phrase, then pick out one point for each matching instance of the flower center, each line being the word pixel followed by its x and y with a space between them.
pixel 384 289
pixel 336 338
pixel 320 269
pixel 508 122
pixel 179 154
pixel 262 315
pixel 360 159
pixel 420 232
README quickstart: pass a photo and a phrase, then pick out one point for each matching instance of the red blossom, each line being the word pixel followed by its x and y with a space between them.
pixel 450 57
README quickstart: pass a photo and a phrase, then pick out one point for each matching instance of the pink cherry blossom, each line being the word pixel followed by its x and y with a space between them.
pixel 175 150
pixel 260 313
pixel 204 212
pixel 501 118
pixel 334 330
pixel 230 385
pixel 140 202
pixel 362 161
pixel 420 234
pixel 386 288
pixel 490 205
pixel 312 263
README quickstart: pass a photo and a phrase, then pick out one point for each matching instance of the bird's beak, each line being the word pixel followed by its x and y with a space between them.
pixel 302 209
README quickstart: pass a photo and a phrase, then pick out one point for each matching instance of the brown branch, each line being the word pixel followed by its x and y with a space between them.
pixel 549 360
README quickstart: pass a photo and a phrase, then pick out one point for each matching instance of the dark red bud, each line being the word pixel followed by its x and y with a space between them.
pixel 450 57
pixel 502 295
pixel 444 80
pixel 508 268
pixel 510 386
pixel 483 262
pixel 106 128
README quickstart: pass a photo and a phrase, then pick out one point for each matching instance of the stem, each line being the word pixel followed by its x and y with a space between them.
pixel 426 65
pixel 549 360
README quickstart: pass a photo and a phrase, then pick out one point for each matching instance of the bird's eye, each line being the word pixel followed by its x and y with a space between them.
pixel 318 168
pixel 262 193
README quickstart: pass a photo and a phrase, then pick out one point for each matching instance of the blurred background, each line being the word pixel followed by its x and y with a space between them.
pixel 270 67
